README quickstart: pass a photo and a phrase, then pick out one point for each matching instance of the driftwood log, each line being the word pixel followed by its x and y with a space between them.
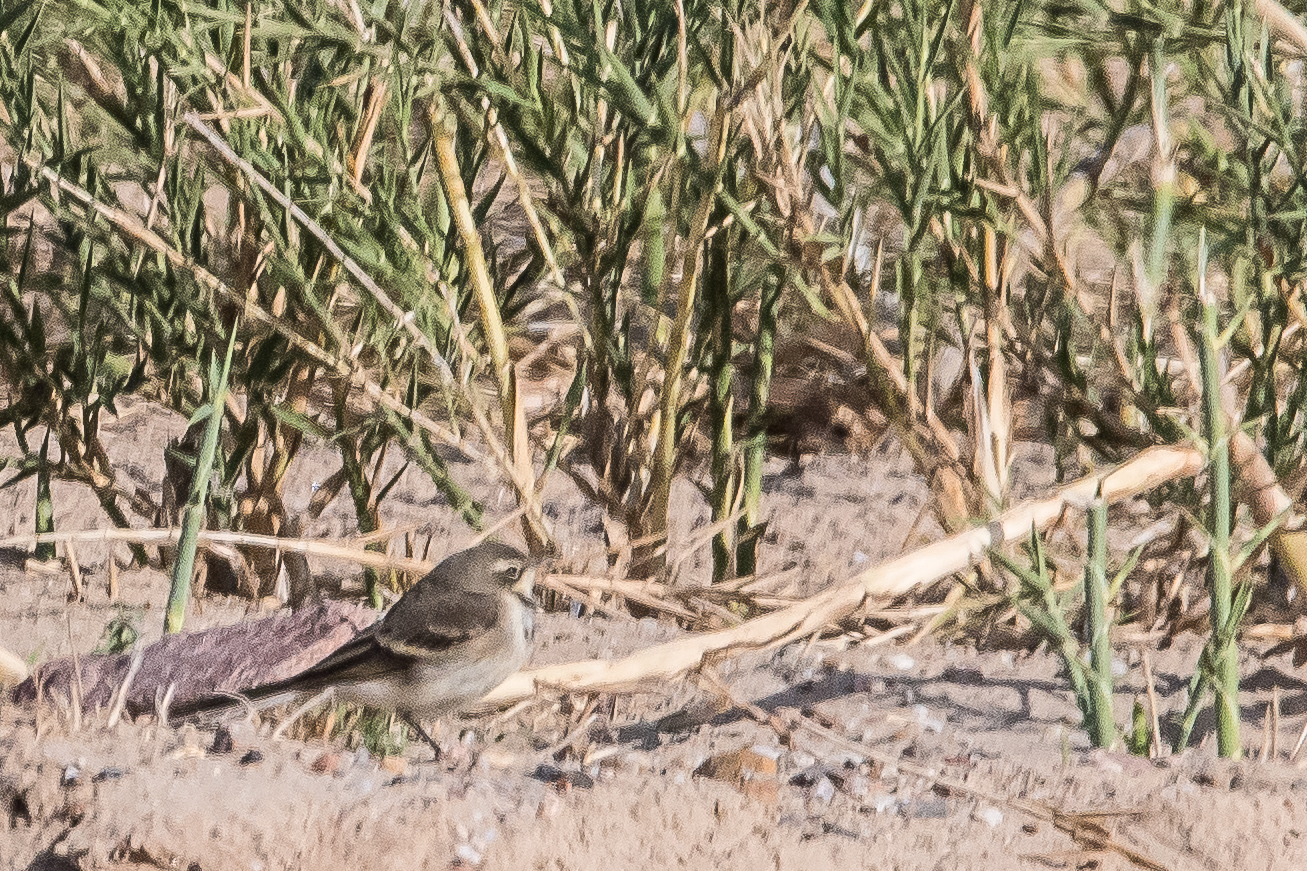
pixel 227 659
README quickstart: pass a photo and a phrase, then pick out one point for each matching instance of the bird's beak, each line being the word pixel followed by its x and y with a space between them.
pixel 525 586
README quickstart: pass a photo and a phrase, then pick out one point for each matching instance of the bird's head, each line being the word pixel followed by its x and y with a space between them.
pixel 506 566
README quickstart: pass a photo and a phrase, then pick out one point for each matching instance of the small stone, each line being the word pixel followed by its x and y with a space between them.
pixel 824 791
pixel 251 757
pixel 327 763
pixel 991 816
pixel 927 722
pixel 222 741
pixel 884 803
pixel 494 757
pixel 468 854
pixel 1105 761
pixel 858 785
pixel 800 759
pixel 925 809
pixel 901 661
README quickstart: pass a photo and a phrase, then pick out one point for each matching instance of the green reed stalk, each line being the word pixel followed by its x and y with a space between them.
pixel 193 515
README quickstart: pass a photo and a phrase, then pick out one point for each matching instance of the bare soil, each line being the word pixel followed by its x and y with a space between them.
pixel 666 778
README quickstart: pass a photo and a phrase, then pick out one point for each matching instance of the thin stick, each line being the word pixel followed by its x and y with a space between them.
pixel 1275 721
pixel 595 603
pixel 1263 752
pixel 499 524
pixel 301 711
pixel 1297 747
pixel 12 669
pixel 889 635
pixel 512 712
pixel 164 706
pixel 74 569
pixel 570 738
pixel 113 578
pixel 1152 705
pixel 120 697
pixel 78 693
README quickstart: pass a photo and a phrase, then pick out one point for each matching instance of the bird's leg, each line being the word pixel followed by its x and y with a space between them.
pixel 302 710
pixel 422 733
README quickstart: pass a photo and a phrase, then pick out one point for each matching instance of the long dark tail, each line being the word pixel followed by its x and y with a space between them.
pixel 360 657
pixel 258 698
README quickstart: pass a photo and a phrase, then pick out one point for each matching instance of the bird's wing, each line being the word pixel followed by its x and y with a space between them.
pixel 435 620
pixel 361 658
pixel 426 622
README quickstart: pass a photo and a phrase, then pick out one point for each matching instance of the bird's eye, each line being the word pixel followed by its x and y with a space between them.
pixel 511 572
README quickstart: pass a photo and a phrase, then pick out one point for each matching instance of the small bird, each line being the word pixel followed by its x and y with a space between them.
pixel 451 638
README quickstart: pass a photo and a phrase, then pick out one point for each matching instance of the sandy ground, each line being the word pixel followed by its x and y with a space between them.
pixel 669 777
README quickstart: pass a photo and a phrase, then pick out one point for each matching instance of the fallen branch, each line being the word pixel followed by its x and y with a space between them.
pixel 12 669
pixel 1149 469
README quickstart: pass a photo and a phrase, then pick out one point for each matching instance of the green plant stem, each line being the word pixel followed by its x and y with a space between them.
pixel 1223 660
pixel 717 291
pixel 44 503
pixel 193 515
pixel 755 453
pixel 518 461
pixel 1037 601
pixel 669 408
pixel 1099 720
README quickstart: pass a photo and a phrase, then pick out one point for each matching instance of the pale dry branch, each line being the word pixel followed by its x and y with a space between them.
pixel 12 669
pixel 925 565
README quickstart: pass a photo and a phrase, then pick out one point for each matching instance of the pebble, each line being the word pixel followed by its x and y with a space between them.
pixel 926 721
pixel 901 661
pixel 222 742
pixel 549 807
pixel 800 759
pixel 991 816
pixel 925 809
pixel 858 785
pixel 469 854
pixel 327 763
pixel 824 791
pixel 884 803
pixel 498 759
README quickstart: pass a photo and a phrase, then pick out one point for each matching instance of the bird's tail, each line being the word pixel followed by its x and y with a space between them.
pixel 220 705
